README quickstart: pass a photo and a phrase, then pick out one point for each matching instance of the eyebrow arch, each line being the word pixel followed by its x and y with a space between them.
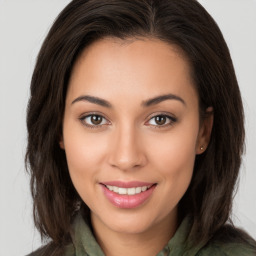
pixel 94 100
pixel 161 98
pixel 147 103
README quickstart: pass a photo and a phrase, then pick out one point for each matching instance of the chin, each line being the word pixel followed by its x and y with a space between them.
pixel 129 222
pixel 130 228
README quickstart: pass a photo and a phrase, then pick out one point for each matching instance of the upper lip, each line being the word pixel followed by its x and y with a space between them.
pixel 125 184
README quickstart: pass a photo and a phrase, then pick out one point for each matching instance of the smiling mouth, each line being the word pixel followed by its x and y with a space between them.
pixel 128 195
pixel 128 191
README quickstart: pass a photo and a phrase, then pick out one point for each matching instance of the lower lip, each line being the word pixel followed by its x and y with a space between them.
pixel 128 201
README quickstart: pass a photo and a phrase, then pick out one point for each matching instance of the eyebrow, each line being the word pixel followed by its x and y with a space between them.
pixel 161 98
pixel 94 100
pixel 147 103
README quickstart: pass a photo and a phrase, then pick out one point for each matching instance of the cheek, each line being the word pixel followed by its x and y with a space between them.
pixel 84 153
pixel 174 156
pixel 84 157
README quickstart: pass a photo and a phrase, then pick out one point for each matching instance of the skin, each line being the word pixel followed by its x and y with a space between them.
pixel 130 144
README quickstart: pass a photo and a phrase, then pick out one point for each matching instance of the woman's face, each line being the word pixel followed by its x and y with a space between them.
pixel 131 132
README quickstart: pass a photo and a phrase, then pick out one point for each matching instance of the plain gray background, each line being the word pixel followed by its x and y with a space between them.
pixel 23 26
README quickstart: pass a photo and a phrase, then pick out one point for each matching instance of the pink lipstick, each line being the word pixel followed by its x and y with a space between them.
pixel 127 194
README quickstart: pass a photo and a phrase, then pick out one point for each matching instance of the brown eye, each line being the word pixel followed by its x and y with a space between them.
pixel 93 121
pixel 160 120
pixel 96 120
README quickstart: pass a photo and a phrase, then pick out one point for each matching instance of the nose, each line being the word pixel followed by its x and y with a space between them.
pixel 126 150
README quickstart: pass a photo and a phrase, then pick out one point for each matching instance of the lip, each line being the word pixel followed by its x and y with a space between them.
pixel 127 201
pixel 130 184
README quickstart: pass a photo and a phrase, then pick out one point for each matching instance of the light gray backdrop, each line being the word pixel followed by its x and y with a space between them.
pixel 23 26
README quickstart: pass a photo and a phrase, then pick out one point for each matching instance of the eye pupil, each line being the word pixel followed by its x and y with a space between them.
pixel 160 120
pixel 95 119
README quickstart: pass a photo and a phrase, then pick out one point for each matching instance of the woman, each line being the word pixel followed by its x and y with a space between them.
pixel 135 127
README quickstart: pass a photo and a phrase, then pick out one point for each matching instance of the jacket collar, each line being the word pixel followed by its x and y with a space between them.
pixel 83 239
pixel 85 243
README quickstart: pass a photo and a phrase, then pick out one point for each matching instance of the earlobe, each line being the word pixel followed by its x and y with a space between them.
pixel 204 135
pixel 61 143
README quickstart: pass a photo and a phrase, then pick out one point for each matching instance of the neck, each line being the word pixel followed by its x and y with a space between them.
pixel 146 243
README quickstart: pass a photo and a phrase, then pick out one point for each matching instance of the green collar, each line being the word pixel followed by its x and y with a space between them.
pixel 83 239
pixel 85 243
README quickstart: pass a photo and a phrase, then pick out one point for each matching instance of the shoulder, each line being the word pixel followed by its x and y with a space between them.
pixel 229 241
pixel 51 250
pixel 227 250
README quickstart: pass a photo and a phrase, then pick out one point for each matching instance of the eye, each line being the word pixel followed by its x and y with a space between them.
pixel 162 120
pixel 93 120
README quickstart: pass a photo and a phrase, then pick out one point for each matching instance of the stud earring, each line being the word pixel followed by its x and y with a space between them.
pixel 201 148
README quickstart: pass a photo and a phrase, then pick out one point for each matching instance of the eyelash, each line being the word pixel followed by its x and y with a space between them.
pixel 172 120
pixel 82 119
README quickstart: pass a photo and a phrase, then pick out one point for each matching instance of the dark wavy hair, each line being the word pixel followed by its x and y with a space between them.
pixel 184 23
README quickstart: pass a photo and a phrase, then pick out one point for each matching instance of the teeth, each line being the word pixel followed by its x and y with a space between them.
pixel 144 188
pixel 110 188
pixel 138 190
pixel 127 191
pixel 122 191
pixel 131 191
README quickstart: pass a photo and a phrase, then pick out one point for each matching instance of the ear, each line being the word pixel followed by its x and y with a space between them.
pixel 205 131
pixel 61 143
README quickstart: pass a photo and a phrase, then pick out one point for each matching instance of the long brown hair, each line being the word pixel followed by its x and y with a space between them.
pixel 184 23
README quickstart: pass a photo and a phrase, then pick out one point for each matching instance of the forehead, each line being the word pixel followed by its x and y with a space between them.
pixel 133 66
pixel 131 50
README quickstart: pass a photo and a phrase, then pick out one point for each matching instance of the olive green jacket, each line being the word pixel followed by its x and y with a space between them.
pixel 84 244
